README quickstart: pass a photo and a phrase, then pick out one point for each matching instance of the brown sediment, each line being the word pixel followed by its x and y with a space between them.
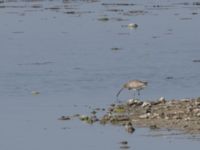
pixel 181 114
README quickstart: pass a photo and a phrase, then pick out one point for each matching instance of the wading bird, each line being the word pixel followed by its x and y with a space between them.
pixel 135 85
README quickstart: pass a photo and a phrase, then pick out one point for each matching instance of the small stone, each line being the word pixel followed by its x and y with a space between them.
pixel 93 112
pixel 162 115
pixel 83 117
pixel 197 103
pixel 112 105
pixel 145 116
pixel 187 119
pixel 35 93
pixel 124 142
pixel 145 104
pixel 64 118
pixel 132 25
pixel 110 109
pixel 115 49
pixel 129 127
pixel 162 99
pixel 169 77
pixel 148 110
pixel 155 115
pixel 196 110
pixel 131 102
pixel 94 118
pixel 198 114
pixel 166 118
pixel 103 18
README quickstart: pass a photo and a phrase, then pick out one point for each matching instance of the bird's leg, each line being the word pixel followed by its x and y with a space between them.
pixel 138 92
pixel 133 95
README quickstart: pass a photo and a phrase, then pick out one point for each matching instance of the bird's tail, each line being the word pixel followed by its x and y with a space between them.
pixel 119 92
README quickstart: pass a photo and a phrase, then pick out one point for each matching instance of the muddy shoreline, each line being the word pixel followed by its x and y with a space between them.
pixel 182 114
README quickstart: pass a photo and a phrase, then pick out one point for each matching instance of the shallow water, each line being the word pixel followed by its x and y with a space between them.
pixel 77 60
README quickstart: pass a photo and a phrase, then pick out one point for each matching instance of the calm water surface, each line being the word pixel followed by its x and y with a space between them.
pixel 64 50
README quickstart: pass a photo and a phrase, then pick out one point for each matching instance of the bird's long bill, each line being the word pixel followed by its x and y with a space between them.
pixel 119 92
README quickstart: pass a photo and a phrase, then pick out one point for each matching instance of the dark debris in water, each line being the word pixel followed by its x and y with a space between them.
pixel 123 142
pixel 169 78
pixel 37 63
pixel 64 118
pixel 116 49
pixel 196 60
pixel 118 4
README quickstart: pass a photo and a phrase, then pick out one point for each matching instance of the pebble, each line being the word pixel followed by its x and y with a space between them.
pixel 146 104
pixel 129 127
pixel 145 116
pixel 103 18
pixel 132 25
pixel 155 115
pixel 196 110
pixel 162 99
pixel 124 142
pixel 35 93
pixel 134 102
pixel 198 114
pixel 64 118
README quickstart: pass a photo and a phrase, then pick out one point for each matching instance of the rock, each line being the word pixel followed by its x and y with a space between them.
pixel 196 110
pixel 132 25
pixel 131 102
pixel 87 119
pixel 35 93
pixel 115 49
pixel 129 127
pixel 145 116
pixel 83 117
pixel 124 142
pixel 162 115
pixel 187 119
pixel 197 103
pixel 93 112
pixel 110 109
pixel 64 118
pixel 112 105
pixel 162 100
pixel 94 118
pixel 146 104
pixel 155 116
pixel 103 18
pixel 198 114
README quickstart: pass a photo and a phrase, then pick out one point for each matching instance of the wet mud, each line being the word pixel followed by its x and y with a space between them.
pixel 176 114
